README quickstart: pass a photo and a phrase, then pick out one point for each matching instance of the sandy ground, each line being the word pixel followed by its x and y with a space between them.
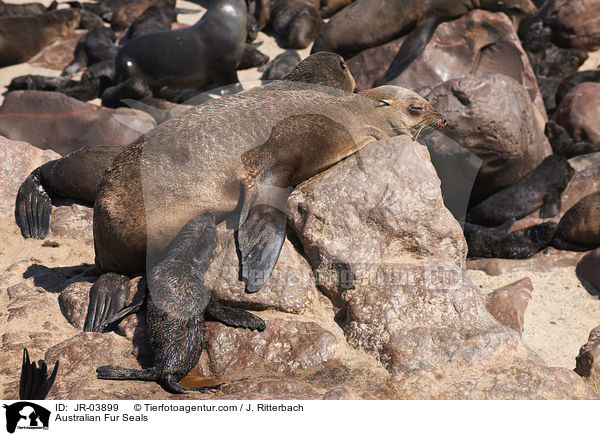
pixel 558 320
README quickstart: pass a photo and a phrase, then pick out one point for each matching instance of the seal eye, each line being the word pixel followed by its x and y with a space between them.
pixel 343 65
pixel 416 109
pixel 385 103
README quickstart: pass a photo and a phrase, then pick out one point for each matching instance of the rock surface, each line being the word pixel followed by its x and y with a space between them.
pixel 17 160
pixel 508 304
pixel 492 117
pixel 588 360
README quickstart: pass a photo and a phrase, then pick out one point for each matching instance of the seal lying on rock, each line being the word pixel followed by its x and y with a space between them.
pixel 241 172
pixel 217 170
pixel 541 187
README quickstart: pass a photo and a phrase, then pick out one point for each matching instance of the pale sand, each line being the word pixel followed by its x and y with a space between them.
pixel 558 296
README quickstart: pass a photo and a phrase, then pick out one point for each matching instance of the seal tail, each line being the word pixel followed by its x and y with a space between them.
pixel 33 207
pixel 110 372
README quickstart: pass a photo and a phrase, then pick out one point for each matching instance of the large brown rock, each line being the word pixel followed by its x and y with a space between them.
pixel 477 44
pixel 493 118
pixel 52 120
pixel 405 300
pixel 576 23
pixel 381 204
pixel 588 360
pixel 579 112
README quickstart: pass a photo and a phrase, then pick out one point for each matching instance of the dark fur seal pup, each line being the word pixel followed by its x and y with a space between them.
pixel 22 37
pixel 131 89
pixel 252 57
pixel 563 144
pixel 368 23
pixel 93 81
pixel 154 19
pixel 95 46
pixel 296 22
pixel 176 305
pixel 541 187
pixel 579 227
pixel 281 65
pixel 194 57
pixel 35 383
pixel 499 242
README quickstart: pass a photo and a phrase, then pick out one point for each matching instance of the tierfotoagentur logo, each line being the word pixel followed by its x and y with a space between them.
pixel 26 416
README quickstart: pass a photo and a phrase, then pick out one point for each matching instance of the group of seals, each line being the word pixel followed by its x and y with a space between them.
pixel 214 171
pixel 368 23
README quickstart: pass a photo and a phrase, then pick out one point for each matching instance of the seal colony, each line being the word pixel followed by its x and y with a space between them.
pixel 157 204
pixel 368 23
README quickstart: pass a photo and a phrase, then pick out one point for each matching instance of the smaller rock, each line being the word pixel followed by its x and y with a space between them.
pixel 508 304
pixel 587 362
pixel 73 303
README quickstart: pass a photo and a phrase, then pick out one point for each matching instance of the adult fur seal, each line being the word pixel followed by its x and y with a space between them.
pixel 368 23
pixel 21 37
pixel 193 57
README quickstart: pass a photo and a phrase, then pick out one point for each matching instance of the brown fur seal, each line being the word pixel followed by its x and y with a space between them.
pixel 22 37
pixel 193 57
pixel 579 227
pixel 368 23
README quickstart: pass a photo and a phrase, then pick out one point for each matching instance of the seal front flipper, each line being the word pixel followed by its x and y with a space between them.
pixel 412 46
pixel 33 207
pixel 234 317
pixel 35 383
pixel 551 205
pixel 262 233
pixel 107 297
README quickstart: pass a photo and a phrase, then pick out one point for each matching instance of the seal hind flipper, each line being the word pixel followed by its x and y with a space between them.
pixel 107 297
pixel 412 46
pixel 33 207
pixel 234 317
pixel 34 383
